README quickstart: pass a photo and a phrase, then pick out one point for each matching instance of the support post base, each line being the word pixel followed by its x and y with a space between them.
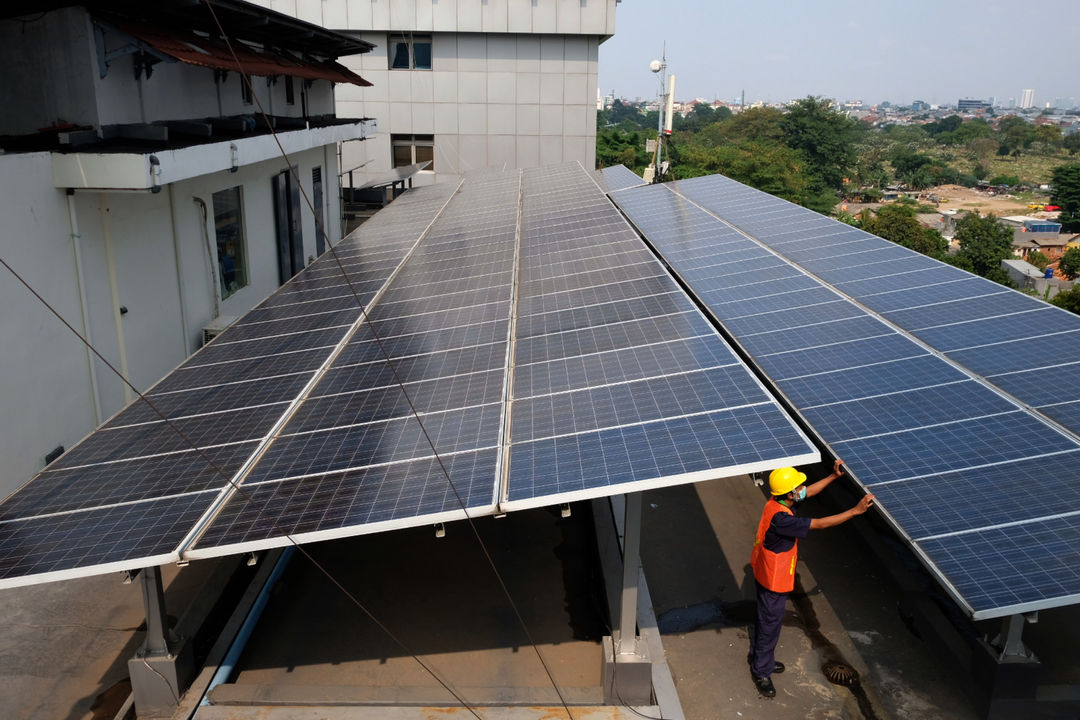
pixel 159 681
pixel 627 677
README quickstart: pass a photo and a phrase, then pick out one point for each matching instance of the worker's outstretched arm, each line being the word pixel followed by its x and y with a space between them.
pixel 838 519
pixel 838 470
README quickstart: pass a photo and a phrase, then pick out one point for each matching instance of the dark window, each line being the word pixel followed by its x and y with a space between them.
pixel 410 52
pixel 290 91
pixel 245 90
pixel 409 149
pixel 229 233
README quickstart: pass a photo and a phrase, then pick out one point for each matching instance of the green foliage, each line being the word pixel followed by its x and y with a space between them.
pixel 1069 300
pixel 1037 259
pixel 615 146
pixel 897 222
pixel 1010 180
pixel 1016 134
pixel 771 167
pixel 825 138
pixel 984 243
pixel 1066 179
pixel 1072 143
pixel 1069 265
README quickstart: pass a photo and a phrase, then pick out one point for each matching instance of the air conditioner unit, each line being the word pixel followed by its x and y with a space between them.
pixel 216 326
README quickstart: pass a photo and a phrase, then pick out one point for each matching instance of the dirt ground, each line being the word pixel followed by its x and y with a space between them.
pixel 959 197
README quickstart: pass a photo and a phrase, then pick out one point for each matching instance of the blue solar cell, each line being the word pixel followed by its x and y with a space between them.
pixel 943 503
pixel 905 410
pixel 1046 351
pixel 1002 568
pixel 907 374
pixel 767 303
pixel 838 356
pixel 1068 413
pixel 813 335
pixel 611 337
pixel 590 462
pixel 932 451
pixel 977 333
pixel 922 297
pixel 670 303
pixel 884 264
pixel 933 274
pixel 778 320
pixel 932 313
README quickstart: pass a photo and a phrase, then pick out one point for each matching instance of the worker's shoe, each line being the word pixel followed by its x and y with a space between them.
pixel 777 668
pixel 765 687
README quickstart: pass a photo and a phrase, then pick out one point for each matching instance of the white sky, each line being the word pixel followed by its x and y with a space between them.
pixel 869 50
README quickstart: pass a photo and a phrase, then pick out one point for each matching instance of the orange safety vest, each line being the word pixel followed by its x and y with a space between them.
pixel 775 571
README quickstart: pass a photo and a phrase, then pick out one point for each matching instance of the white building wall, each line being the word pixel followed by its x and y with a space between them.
pixel 150 253
pixel 513 82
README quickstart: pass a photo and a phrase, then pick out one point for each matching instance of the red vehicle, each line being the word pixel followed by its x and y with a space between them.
pixel 1051 207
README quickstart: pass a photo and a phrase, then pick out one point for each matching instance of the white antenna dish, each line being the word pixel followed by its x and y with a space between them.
pixel 656 66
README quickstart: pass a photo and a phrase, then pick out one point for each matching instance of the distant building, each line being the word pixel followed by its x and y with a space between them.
pixel 972 106
pixel 1027 99
pixel 466 84
pixel 919 106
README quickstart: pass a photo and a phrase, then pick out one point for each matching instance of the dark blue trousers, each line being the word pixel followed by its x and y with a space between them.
pixel 770 616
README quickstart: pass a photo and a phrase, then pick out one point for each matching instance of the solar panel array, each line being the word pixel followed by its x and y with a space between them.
pixel 886 355
pixel 619 380
pixel 293 426
pixel 616 177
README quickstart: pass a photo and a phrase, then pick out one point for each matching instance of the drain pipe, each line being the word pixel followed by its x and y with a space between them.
pixel 76 241
pixel 225 670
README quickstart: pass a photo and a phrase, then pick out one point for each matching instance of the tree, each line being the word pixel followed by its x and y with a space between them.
pixel 899 224
pixel 1069 264
pixel 1072 143
pixel 1068 300
pixel 982 151
pixel 1066 180
pixel 824 137
pixel 984 243
pixel 1037 259
pixel 1050 137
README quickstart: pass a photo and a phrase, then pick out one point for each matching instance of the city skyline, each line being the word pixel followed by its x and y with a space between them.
pixel 845 50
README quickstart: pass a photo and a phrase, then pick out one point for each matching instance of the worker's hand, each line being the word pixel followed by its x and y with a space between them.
pixel 838 468
pixel 864 504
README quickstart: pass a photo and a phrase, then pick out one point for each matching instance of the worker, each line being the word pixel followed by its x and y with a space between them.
pixel 774 556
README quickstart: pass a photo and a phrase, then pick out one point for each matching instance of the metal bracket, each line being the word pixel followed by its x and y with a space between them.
pixel 145 56
pixel 440 530
pixel 564 510
pixel 1009 642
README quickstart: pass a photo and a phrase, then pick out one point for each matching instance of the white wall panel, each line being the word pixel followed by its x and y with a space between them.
pixel 472 118
pixel 569 16
pixel 447 154
pixel 446 118
pixel 502 151
pixel 472 53
pixel 551 89
pixel 502 119
pixel 310 11
pixel 501 53
pixel 444 86
pixel 494 16
pixel 444 52
pixel 528 120
pixel 544 16
pixel 528 54
pixel 403 14
pixel 552 50
pixel 472 152
pixel 422 86
pixel 528 151
pixel 399 85
pixel 380 14
pixel 472 87
pixel 574 149
pixel 519 16
pixel 401 117
pixel 444 15
pixel 576 90
pixel 423 118
pixel 576 56
pixel 551 149
pixel 335 14
pixel 425 16
pixel 379 90
pixel 501 87
pixel 551 118
pixel 594 17
pixel 528 87
pixel 574 120
pixel 358 14
pixel 469 16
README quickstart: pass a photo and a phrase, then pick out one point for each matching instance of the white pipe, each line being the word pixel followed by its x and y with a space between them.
pixel 184 337
pixel 76 241
pixel 211 253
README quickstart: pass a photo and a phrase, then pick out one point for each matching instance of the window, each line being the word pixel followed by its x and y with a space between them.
pixel 245 90
pixel 290 91
pixel 409 149
pixel 410 52
pixel 229 233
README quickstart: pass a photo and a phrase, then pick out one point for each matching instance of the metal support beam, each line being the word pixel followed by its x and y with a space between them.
pixel 1010 642
pixel 627 641
pixel 161 669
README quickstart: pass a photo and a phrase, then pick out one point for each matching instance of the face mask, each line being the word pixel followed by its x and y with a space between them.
pixel 800 494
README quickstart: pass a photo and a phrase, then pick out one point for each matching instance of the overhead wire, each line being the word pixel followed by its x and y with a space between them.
pixel 240 491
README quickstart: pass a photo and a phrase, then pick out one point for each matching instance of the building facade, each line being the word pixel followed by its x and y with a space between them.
pixel 464 84
pixel 143 197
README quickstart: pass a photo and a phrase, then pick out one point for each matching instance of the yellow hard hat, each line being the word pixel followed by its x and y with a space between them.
pixel 784 480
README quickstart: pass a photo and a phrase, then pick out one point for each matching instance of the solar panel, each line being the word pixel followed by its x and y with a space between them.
pixel 128 494
pixel 616 177
pixel 912 413
pixel 544 353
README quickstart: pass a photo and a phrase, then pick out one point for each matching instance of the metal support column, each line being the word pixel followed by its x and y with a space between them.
pixel 1010 642
pixel 627 668
pixel 162 668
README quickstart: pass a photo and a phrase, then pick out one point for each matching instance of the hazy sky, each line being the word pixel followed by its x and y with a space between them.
pixel 869 50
